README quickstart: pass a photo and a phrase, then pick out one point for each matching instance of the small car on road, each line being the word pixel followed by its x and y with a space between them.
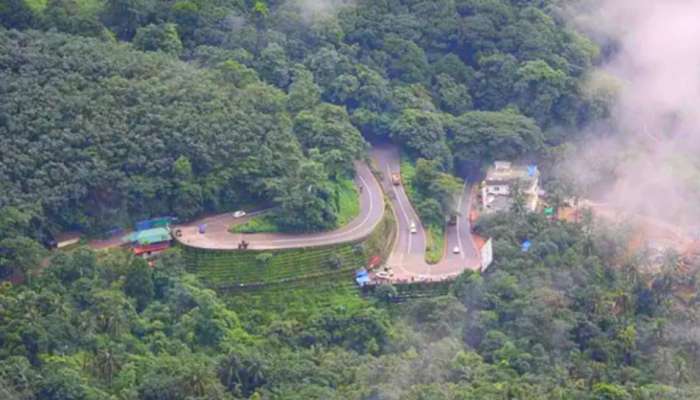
pixel 456 250
pixel 412 228
pixel 239 214
pixel 396 179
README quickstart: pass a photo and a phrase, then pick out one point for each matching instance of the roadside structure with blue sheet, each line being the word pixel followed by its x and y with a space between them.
pixel 362 277
pixel 149 236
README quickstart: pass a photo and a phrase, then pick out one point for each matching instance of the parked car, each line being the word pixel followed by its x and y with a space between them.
pixel 455 250
pixel 239 214
pixel 412 227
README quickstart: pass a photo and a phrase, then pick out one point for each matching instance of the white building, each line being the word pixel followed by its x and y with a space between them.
pixel 496 189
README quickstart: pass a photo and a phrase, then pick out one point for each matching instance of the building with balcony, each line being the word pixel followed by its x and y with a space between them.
pixel 501 182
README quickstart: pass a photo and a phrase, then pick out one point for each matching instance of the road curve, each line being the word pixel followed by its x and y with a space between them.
pixel 409 249
pixel 217 236
pixel 407 259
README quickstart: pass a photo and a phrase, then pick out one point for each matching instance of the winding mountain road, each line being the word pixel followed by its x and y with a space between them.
pixel 407 258
pixel 218 237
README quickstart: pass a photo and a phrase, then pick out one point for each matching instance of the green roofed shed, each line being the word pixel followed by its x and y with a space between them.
pixel 149 236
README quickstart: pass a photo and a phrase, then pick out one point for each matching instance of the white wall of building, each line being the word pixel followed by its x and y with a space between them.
pixel 486 255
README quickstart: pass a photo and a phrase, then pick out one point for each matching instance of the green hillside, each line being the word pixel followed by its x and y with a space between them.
pixel 251 270
pixel 228 269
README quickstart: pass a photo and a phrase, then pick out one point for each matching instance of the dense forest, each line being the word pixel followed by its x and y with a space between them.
pixel 571 319
pixel 141 108
pixel 95 133
pixel 117 110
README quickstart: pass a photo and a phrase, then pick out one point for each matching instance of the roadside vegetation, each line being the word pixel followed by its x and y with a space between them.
pixel 435 244
pixel 346 202
pixel 257 224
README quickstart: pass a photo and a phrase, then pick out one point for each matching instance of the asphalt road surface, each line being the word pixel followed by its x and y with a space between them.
pixel 218 237
pixel 408 254
pixel 460 236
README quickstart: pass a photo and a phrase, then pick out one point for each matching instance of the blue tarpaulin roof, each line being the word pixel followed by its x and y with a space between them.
pixel 363 280
pixel 531 170
pixel 526 246
pixel 362 277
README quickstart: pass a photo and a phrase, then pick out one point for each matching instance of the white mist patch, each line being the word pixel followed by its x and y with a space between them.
pixel 319 9
pixel 659 62
pixel 655 133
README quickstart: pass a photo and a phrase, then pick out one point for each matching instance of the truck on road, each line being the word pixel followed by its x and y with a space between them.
pixel 452 220
pixel 396 178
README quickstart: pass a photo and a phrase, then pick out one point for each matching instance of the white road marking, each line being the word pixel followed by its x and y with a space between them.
pixel 459 231
pixel 405 216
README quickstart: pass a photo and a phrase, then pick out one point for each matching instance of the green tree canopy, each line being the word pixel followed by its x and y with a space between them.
pixel 481 135
pixel 423 133
pixel 162 37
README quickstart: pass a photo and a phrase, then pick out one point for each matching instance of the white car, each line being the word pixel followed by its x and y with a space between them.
pixel 412 228
pixel 239 214
pixel 455 250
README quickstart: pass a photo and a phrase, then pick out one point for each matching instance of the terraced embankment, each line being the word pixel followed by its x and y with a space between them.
pixel 248 270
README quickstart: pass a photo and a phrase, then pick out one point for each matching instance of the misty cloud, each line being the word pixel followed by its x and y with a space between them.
pixel 659 62
pixel 312 10
pixel 655 132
